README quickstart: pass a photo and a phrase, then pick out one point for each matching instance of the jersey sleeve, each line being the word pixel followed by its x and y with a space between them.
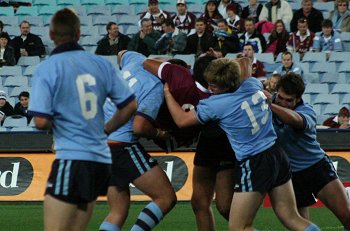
pixel 308 115
pixel 205 112
pixel 149 106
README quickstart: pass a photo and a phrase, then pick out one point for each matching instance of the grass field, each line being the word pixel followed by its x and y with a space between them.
pixel 28 217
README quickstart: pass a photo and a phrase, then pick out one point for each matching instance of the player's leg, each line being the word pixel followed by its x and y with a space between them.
pixel 224 188
pixel 84 214
pixel 203 185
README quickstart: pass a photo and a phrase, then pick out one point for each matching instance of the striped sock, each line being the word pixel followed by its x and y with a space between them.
pixel 107 226
pixel 148 218
pixel 312 227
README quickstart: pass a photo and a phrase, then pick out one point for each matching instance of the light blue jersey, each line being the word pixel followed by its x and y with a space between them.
pixel 149 94
pixel 245 117
pixel 301 146
pixel 70 87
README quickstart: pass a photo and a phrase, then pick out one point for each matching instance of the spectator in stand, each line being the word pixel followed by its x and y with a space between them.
pixel 211 15
pixel 253 10
pixel 6 108
pixel 1 26
pixel 312 15
pixel 144 41
pixel 271 83
pixel 27 44
pixel 302 40
pixel 7 54
pixel 200 42
pixel 233 20
pixel 227 41
pixel 256 65
pixel 328 39
pixel 252 36
pixel 341 16
pixel 156 14
pixel 222 7
pixel 340 121
pixel 278 39
pixel 276 9
pixel 173 41
pixel 289 66
pixel 183 19
pixel 21 108
pixel 113 42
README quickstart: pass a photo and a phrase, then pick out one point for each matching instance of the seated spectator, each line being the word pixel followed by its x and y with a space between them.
pixel 183 19
pixel 328 39
pixel 27 44
pixel 289 66
pixel 6 108
pixel 278 39
pixel 156 15
pixel 222 7
pixel 227 41
pixel 211 15
pixel 113 42
pixel 270 84
pixel 276 9
pixel 252 36
pixel 144 41
pixel 173 41
pixel 253 10
pixel 200 42
pixel 302 40
pixel 341 16
pixel 312 15
pixel 339 121
pixel 257 66
pixel 233 20
pixel 7 54
pixel 21 108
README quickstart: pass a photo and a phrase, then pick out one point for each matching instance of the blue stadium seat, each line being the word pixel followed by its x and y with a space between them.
pixel 196 9
pixel 15 121
pixel 331 78
pixel 312 77
pixel 307 98
pixel 323 67
pixel 41 3
pixel 88 41
pixel 27 11
pixel 270 67
pixel 99 10
pixel 80 10
pixel 3 129
pixel 163 3
pixel 189 59
pixel 66 3
pixel 29 70
pixel 324 6
pixel 340 89
pixel 231 55
pixel 139 5
pixel 9 21
pixel 16 81
pixel 7 11
pixel 345 99
pixel 306 67
pixel 170 9
pixel 265 57
pixel 103 20
pixel 331 109
pixel 40 31
pixel 131 30
pixel 85 20
pixel 316 88
pixel 92 2
pixel 321 118
pixel 49 10
pixel 28 61
pixel 339 56
pixel 12 31
pixel 120 10
pixel 326 99
pixel 313 57
pixel 128 20
pixel 5 89
pixel 88 30
pixel 33 20
pixel 117 2
pixel 345 38
pixel 10 71
pixel 17 90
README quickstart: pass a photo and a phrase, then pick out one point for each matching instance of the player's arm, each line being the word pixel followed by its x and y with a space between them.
pixel 143 128
pixel 121 117
pixel 181 117
pixel 42 123
pixel 152 66
pixel 288 116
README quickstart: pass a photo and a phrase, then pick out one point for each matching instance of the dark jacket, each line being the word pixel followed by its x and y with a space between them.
pixel 207 41
pixel 9 57
pixel 104 48
pixel 145 46
pixel 245 12
pixel 33 45
pixel 313 20
pixel 7 109
pixel 19 110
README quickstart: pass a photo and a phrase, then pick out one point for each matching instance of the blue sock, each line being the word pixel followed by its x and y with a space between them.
pixel 149 217
pixel 312 227
pixel 107 226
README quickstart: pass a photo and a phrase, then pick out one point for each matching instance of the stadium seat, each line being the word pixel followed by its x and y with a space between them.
pixel 345 38
pixel 40 31
pixel 10 71
pixel 323 67
pixel 29 70
pixel 139 5
pixel 89 30
pixel 7 11
pixel 112 59
pixel 270 67
pixel 170 9
pixel 15 121
pixel 344 67
pixel 85 20
pixel 307 98
pixel 10 21
pixel 128 20
pixel 23 129
pixel 331 78
pixel 312 77
pixel 345 99
pixel 92 2
pixel 326 99
pixel 265 57
pixel 3 129
pixel 80 10
pixel 88 41
pixel 41 3
pixel 321 118
pixel 27 11
pixel 17 90
pixel 313 57
pixel 231 55
pixel 316 88
pixel 99 10
pixel 33 20
pixel 131 30
pixel 12 31
pixel 65 3
pixel 331 109
pixel 324 6
pixel 339 56
pixel 5 89
pixel 28 60
pixel 340 89
pixel 117 2
pixel 16 81
pixel 120 10
pixel 306 67
pixel 49 10
pixel 196 9
pixel 103 20
pixel 189 59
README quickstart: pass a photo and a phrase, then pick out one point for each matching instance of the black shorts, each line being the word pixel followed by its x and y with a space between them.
pixel 129 162
pixel 78 181
pixel 215 153
pixel 263 172
pixel 308 182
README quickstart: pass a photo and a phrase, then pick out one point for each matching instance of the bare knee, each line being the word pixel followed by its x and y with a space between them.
pixel 166 202
pixel 200 204
pixel 224 209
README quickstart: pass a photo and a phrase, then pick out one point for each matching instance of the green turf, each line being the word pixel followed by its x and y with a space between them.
pixel 28 217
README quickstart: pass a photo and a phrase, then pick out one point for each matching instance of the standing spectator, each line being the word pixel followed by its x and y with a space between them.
pixel 302 40
pixel 7 53
pixel 27 44
pixel 200 42
pixel 328 39
pixel 144 41
pixel 340 121
pixel 222 7
pixel 69 90
pixel 257 66
pixel 6 108
pixel 252 36
pixel 113 42
pixel 312 15
pixel 233 20
pixel 341 16
pixel 184 20
pixel 156 15
pixel 227 41
pixel 21 108
pixel 253 10
pixel 211 15
pixel 278 39
pixel 289 66
pixel 173 41
pixel 276 9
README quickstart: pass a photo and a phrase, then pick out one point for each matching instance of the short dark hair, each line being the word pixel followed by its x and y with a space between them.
pixel 23 94
pixel 179 62
pixel 5 35
pixel 302 20
pixel 327 23
pixel 292 84
pixel 1 25
pixel 24 21
pixel 250 19
pixel 201 19
pixel 145 20
pixel 168 22
pixel 65 26
pixel 249 44
pixel 109 25
pixel 199 68
pixel 287 53
pixel 222 20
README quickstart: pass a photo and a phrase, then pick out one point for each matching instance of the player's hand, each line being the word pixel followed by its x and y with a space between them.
pixel 162 134
pixel 166 89
pixel 268 96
